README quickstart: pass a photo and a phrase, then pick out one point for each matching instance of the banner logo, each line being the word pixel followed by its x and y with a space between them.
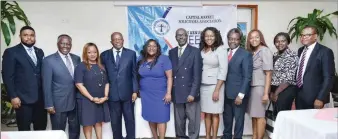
pixel 160 27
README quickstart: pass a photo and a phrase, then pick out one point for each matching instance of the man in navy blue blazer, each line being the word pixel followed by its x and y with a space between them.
pixel 120 64
pixel 187 71
pixel 315 71
pixel 237 85
pixel 21 73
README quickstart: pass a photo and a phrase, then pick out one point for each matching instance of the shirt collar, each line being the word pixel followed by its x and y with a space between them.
pixel 234 50
pixel 115 50
pixel 62 55
pixel 311 46
pixel 184 46
pixel 26 47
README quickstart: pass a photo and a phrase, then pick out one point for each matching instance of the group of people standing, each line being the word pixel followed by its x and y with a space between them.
pixel 201 82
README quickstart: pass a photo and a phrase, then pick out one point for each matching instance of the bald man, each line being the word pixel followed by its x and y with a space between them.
pixel 187 71
pixel 120 64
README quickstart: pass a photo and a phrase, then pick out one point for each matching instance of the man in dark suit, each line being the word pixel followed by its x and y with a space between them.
pixel 187 69
pixel 120 64
pixel 315 72
pixel 237 85
pixel 59 87
pixel 21 68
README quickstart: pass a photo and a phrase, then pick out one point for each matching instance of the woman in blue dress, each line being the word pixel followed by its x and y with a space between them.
pixel 155 80
pixel 91 80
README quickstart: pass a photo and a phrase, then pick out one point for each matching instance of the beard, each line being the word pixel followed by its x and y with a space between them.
pixel 28 45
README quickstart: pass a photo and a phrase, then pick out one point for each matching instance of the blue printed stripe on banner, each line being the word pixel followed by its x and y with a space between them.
pixel 166 12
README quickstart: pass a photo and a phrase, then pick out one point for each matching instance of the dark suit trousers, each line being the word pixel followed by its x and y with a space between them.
pixel 31 113
pixel 117 108
pixel 59 120
pixel 301 104
pixel 232 110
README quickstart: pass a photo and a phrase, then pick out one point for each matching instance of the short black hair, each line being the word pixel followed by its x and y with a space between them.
pixel 64 35
pixel 235 30
pixel 286 35
pixel 25 28
pixel 313 27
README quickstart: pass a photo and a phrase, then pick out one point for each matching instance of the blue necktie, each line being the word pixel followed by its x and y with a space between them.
pixel 117 57
pixel 30 50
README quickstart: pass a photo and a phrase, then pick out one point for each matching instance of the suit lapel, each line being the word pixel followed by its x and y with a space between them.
pixel 37 55
pixel 123 58
pixel 23 51
pixel 185 54
pixel 234 57
pixel 312 57
pixel 73 60
pixel 175 58
pixel 61 63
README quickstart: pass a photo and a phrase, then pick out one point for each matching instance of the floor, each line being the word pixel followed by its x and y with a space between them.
pixel 5 128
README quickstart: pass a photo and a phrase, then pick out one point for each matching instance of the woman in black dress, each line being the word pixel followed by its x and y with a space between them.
pixel 91 80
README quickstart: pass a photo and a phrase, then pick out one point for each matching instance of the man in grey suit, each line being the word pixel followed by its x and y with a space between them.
pixel 59 88
pixel 187 69
pixel 237 85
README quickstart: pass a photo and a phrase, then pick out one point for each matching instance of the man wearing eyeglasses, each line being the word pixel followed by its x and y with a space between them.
pixel 315 72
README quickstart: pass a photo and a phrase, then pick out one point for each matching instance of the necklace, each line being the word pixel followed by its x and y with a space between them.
pixel 100 82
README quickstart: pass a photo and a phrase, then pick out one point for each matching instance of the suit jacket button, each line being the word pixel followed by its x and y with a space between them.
pixel 182 76
pixel 185 68
pixel 183 85
pixel 175 77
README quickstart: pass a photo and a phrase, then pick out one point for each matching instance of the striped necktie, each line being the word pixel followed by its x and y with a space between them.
pixel 301 68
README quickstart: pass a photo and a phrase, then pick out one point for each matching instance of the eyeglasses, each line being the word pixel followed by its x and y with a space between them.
pixel 306 35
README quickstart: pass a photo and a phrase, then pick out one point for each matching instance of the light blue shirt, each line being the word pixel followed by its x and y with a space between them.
pixel 31 54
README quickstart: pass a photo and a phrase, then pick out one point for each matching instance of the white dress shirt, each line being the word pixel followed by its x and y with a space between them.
pixel 183 48
pixel 63 57
pixel 306 60
pixel 33 52
pixel 115 52
pixel 240 95
pixel 233 51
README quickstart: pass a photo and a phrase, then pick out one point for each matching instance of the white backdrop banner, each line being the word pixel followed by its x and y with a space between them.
pixel 161 23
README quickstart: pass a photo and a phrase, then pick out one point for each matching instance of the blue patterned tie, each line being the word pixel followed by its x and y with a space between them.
pixel 117 57
pixel 30 50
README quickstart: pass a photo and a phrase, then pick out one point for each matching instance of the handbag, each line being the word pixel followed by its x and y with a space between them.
pixel 270 116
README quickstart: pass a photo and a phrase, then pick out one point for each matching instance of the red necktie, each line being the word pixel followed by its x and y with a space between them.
pixel 230 55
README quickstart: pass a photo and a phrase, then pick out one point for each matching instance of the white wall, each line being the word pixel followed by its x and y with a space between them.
pixel 90 21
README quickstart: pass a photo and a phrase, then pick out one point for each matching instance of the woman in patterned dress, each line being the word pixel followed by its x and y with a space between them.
pixel 283 84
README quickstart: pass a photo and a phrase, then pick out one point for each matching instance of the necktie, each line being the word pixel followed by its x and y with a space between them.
pixel 69 65
pixel 230 55
pixel 117 57
pixel 31 54
pixel 301 68
pixel 179 52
